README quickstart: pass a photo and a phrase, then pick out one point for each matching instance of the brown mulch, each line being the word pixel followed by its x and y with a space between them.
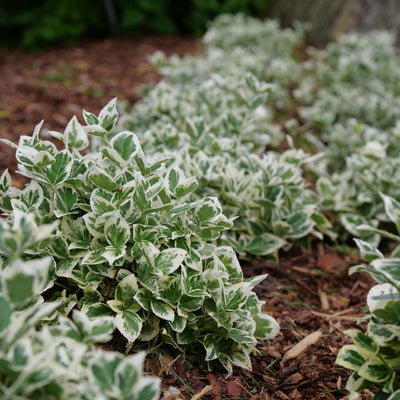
pixel 309 293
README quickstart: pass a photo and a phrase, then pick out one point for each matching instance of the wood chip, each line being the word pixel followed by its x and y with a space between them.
pixel 301 346
pixel 339 383
pixel 204 391
pixel 323 298
pixel 337 316
pixel 167 364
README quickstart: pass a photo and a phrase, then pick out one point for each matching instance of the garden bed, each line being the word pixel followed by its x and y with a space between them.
pixel 309 293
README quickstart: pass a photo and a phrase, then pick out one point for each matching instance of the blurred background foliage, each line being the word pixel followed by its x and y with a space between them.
pixel 37 24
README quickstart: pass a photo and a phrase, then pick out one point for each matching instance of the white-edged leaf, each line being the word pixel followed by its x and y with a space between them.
pixel 162 310
pixel 265 244
pixel 126 289
pixel 116 230
pixel 392 208
pixel 129 324
pixel 75 136
pixel 169 260
pixel 23 280
pixel 367 251
pixel 126 144
pixel 266 327
pixel 108 115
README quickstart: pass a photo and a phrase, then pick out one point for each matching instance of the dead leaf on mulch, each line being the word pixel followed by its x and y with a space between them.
pixel 233 389
pixel 301 346
pixel 329 262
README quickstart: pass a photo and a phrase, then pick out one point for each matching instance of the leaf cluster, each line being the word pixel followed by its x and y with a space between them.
pixel 132 245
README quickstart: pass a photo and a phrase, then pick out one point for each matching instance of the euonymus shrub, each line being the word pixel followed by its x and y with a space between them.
pixel 349 107
pixel 129 244
pixel 58 361
pixel 218 128
pixel 374 356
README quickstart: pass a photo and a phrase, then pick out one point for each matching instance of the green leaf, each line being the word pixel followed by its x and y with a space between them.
pixel 241 337
pixel 129 324
pixel 65 199
pixel 178 324
pixel 116 230
pixel 5 314
pixel 174 177
pixel 228 258
pixel 103 181
pixel 162 310
pixel 208 209
pixel 174 291
pixel 97 330
pixel 265 244
pixel 22 281
pixel 148 389
pixel 75 136
pixel 190 304
pixel 90 118
pixel 392 208
pixel 211 346
pixel 5 181
pixel 186 337
pixel 375 371
pixel 169 260
pixel 389 267
pixel 126 144
pixel 143 297
pixel 112 254
pixel 32 196
pixel 128 374
pixel 367 251
pixel 240 359
pixel 266 327
pixel 365 344
pixel 109 115
pixel 150 330
pixel 59 170
pixel 349 357
pixel 102 370
pixel 186 186
pixel 127 289
pixel 394 396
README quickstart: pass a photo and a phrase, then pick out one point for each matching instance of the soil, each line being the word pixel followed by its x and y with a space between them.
pixel 310 293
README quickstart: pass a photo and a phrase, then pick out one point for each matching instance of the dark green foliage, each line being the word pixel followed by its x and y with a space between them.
pixel 36 24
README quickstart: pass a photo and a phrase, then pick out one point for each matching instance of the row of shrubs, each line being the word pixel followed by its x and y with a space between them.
pixel 243 150
pixel 225 116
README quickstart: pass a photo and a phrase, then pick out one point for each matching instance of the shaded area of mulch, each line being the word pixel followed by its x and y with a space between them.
pixel 307 292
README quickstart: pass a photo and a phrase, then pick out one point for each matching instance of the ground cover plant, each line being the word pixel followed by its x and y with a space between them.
pixel 244 145
pixel 137 249
pixel 60 360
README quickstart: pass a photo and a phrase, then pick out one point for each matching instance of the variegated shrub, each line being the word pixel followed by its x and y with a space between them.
pixel 350 110
pixel 58 361
pixel 214 115
pixel 374 356
pixel 130 244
